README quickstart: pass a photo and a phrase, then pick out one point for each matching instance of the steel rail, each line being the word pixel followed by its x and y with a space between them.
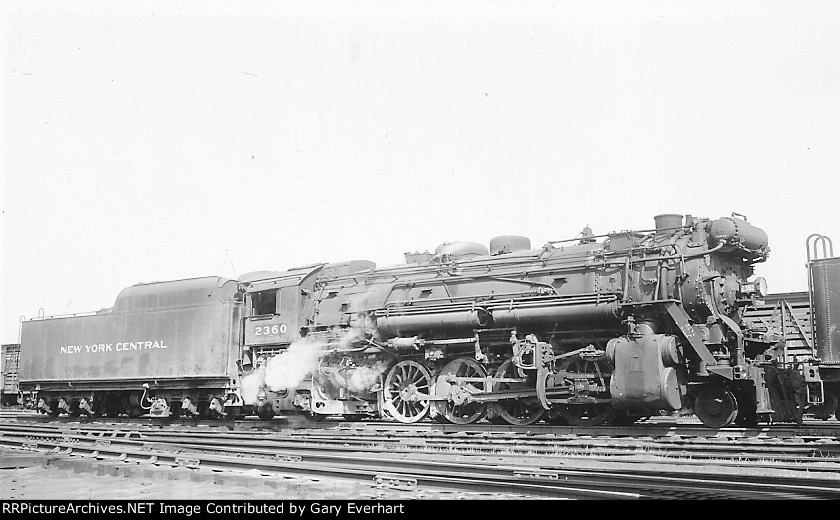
pixel 605 450
pixel 752 484
pixel 827 441
pixel 588 483
pixel 653 428
pixel 406 474
pixel 757 456
pixel 821 449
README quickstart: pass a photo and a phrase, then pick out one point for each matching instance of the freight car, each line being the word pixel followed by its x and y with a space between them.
pixel 582 331
pixel 802 320
pixel 9 358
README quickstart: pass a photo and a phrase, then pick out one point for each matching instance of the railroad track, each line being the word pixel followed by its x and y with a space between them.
pixel 655 427
pixel 782 452
pixel 400 461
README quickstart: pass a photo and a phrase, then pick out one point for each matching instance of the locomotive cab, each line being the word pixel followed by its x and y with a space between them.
pixel 271 323
pixel 278 354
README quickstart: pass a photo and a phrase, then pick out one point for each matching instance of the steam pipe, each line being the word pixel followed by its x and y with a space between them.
pixel 626 289
pixel 571 313
pixel 662 283
pixel 587 312
pixel 403 324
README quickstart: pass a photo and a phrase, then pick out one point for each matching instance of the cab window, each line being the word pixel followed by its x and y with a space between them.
pixel 264 302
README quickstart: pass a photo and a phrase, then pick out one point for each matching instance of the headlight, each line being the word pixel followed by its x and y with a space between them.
pixel 760 287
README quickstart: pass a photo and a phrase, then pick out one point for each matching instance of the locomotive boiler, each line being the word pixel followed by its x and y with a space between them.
pixel 582 331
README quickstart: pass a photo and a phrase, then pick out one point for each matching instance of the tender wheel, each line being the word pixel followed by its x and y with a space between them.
pixel 716 407
pixel 74 409
pixel 265 412
pixel 111 409
pixel 202 411
pixel 232 413
pixel 521 411
pixel 456 410
pixel 588 414
pixel 175 409
pixel 313 417
pixel 405 384
pixel 825 410
pixel 135 412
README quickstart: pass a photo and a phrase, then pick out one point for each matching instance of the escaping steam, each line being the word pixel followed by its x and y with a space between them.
pixel 357 379
pixel 302 358
pixel 299 361
pixel 251 385
pixel 287 369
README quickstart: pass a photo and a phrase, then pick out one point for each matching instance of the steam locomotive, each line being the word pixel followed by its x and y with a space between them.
pixel 586 331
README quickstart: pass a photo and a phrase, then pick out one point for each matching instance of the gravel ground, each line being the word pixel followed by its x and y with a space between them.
pixel 61 477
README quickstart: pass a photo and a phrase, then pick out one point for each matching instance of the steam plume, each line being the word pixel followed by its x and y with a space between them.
pixel 287 369
pixel 251 385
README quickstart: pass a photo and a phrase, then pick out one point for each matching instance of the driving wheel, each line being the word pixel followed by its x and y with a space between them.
pixel 458 409
pixel 520 411
pixel 405 384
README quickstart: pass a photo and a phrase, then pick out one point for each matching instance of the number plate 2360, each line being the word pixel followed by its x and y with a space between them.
pixel 270 330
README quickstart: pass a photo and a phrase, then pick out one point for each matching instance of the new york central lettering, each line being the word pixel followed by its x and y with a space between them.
pixel 122 346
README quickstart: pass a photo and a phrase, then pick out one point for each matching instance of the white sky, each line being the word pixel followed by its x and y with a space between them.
pixel 153 141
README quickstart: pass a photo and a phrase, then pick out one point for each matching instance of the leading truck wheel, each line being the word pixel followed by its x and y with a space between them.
pixel 405 384
pixel 520 411
pixel 716 407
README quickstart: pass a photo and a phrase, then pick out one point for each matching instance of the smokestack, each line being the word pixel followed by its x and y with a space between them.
pixel 666 221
